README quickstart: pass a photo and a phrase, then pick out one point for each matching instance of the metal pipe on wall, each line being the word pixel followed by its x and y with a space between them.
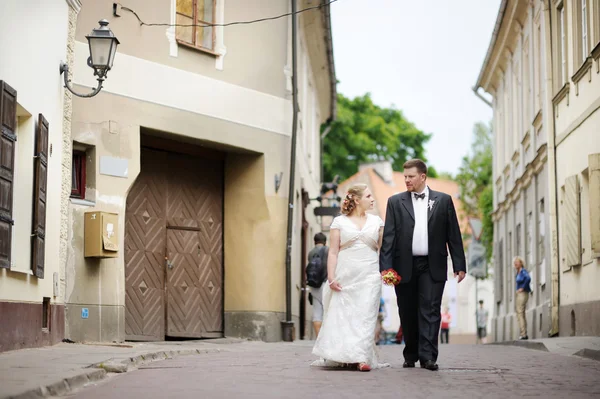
pixel 288 325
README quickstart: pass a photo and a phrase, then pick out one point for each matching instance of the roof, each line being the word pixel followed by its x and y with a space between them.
pixel 382 191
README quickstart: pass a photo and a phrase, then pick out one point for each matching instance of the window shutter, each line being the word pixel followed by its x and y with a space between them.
pixel 594 200
pixel 39 199
pixel 8 123
pixel 572 222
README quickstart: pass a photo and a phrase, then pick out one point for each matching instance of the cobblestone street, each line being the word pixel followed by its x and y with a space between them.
pixel 259 370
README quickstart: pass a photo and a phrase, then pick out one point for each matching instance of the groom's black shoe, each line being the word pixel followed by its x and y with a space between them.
pixel 429 365
pixel 408 364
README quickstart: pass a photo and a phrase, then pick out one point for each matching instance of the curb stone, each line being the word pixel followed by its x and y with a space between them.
pixel 591 354
pixel 102 369
pixel 524 344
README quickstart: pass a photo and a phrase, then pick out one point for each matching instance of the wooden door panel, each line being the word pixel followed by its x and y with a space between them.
pixel 183 294
pixel 195 201
pixel 145 244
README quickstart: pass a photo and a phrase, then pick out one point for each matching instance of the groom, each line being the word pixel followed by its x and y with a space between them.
pixel 420 224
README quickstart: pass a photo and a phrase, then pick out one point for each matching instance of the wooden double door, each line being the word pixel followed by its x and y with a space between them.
pixel 174 248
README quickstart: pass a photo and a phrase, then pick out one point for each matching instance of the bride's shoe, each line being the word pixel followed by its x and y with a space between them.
pixel 363 367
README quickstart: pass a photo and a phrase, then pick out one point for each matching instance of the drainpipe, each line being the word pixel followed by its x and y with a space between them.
pixel 549 122
pixel 482 98
pixel 323 135
pixel 287 326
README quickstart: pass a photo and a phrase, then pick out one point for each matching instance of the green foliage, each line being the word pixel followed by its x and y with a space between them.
pixel 475 181
pixel 365 132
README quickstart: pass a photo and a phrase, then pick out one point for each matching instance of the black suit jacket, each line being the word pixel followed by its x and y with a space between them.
pixel 443 230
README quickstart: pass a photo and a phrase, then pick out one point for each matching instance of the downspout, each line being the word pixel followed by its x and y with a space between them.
pixel 323 135
pixel 288 325
pixel 482 98
pixel 549 122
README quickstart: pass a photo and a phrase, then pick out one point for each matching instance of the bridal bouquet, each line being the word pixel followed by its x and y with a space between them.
pixel 390 277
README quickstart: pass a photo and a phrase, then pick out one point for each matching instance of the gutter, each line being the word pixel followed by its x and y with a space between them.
pixel 549 121
pixel 287 326
pixel 493 41
pixel 326 15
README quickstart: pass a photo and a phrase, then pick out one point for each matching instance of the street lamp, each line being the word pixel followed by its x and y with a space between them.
pixel 103 47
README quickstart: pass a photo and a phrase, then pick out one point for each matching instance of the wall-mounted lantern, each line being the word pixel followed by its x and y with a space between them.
pixel 103 47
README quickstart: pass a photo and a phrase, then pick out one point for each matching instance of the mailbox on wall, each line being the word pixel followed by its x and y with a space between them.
pixel 100 235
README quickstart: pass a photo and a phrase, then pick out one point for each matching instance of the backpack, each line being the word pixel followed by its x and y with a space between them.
pixel 316 270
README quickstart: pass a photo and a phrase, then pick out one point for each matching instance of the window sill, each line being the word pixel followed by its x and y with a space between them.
pixel 583 69
pixel 596 52
pixel 562 93
pixel 79 201
pixel 29 272
pixel 200 49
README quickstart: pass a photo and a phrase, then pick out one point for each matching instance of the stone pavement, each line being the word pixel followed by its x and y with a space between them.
pixel 236 368
pixel 579 346
pixel 281 370
pixel 39 372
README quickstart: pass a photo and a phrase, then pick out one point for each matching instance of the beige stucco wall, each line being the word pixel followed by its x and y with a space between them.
pixel 250 49
pixel 33 73
pixel 578 136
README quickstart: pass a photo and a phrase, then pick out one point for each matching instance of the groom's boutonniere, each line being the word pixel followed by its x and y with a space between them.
pixel 431 202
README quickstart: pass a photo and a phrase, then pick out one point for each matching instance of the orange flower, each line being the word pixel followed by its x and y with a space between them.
pixel 390 277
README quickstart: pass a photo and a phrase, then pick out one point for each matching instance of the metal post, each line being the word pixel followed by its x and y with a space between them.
pixel 476 309
pixel 288 324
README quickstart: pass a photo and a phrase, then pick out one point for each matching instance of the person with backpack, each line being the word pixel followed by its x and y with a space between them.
pixel 316 275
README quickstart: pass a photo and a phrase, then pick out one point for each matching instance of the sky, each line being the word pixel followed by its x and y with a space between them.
pixel 421 56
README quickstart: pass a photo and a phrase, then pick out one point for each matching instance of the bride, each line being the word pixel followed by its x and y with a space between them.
pixel 351 298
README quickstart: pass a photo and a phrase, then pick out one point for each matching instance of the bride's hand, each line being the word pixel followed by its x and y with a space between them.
pixel 335 286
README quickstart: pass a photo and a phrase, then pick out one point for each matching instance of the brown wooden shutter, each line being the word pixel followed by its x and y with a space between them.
pixel 8 123
pixel 39 198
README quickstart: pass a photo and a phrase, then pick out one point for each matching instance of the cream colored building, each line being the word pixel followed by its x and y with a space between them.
pixel 35 113
pixel 189 145
pixel 542 71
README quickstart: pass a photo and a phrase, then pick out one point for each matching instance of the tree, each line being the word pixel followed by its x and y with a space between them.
pixel 364 132
pixel 474 179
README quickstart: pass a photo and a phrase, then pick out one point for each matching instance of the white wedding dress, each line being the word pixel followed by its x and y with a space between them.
pixel 348 331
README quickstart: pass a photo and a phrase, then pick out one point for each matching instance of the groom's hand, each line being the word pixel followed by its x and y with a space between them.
pixel 461 276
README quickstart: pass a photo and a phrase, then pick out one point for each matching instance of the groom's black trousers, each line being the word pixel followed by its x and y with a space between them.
pixel 419 302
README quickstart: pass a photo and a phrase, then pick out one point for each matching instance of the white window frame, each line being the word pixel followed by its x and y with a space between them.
pixel 219 50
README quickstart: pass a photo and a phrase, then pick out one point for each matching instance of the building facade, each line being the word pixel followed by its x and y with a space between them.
pixel 541 120
pixel 188 144
pixel 35 112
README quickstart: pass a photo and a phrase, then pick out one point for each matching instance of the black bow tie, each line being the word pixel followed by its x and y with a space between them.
pixel 419 196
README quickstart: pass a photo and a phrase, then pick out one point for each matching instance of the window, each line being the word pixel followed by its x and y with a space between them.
pixel 541 232
pixel 584 30
pixel 196 13
pixel 78 175
pixel 46 314
pixel 529 238
pixel 538 69
pixel 593 200
pixel 562 45
pixel 509 265
pixel 519 247
pixel 571 222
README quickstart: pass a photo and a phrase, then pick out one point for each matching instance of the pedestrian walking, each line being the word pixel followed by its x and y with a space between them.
pixel 445 330
pixel 482 320
pixel 522 295
pixel 316 275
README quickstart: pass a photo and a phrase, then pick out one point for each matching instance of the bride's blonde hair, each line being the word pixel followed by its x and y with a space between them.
pixel 355 193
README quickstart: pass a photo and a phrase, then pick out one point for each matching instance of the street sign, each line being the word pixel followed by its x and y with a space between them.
pixel 476 255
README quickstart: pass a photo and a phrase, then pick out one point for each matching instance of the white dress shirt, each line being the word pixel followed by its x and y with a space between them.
pixel 420 244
